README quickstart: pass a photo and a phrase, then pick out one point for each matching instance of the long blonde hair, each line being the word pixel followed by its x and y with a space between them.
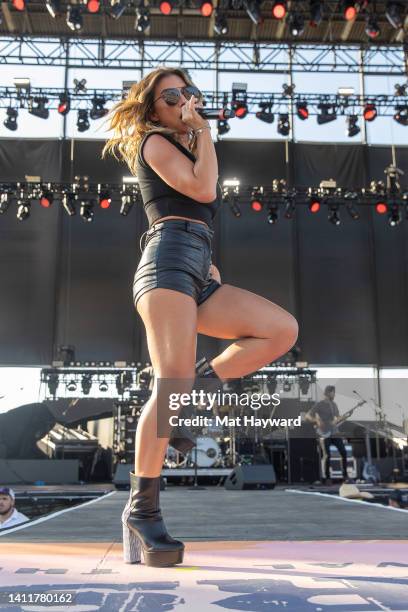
pixel 130 121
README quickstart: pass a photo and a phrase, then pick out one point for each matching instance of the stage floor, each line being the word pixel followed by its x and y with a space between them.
pixel 249 550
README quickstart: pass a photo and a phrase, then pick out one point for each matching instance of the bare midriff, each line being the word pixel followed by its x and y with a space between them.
pixel 186 218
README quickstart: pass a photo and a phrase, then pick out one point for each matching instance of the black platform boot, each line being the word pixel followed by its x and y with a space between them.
pixel 181 437
pixel 144 529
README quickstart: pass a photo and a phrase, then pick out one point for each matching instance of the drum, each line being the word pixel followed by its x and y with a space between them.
pixel 208 452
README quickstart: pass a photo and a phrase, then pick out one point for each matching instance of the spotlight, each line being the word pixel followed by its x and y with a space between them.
pixel 142 19
pixel 220 25
pixel 206 8
pixel 265 114
pixel 372 28
pixel 223 127
pixel 352 128
pixel 105 199
pixel 64 104
pixel 74 18
pixel 327 113
pixel 166 7
pixel 52 383
pixel 296 24
pixel 36 107
pixel 80 86
pixel 302 110
pixel 273 214
pixel 46 199
pixel 234 205
pixel 394 216
pixel 86 211
pixel 103 387
pixel 349 9
pixel 11 121
pixel 286 386
pixel 381 208
pixel 23 209
pixel 53 7
pixel 4 202
pixel 283 124
pixel 68 202
pixel 316 12
pixel 401 115
pixel 126 206
pixel 117 8
pixel 239 100
pixel 370 112
pixel 333 215
pixel 82 120
pixel 394 13
pixel 279 10
pixel 98 109
pixel 352 211
pixel 19 5
pixel 93 6
pixel 86 383
pixel 400 90
pixel 257 199
pixel 314 204
pixel 71 385
pixel 253 8
pixel 289 208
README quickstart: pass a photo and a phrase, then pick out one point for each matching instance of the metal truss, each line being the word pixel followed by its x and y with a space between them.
pixel 265 58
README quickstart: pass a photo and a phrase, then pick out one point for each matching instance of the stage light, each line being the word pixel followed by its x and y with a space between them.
pixel 52 383
pixel 223 127
pixel 401 115
pixel 64 104
pixel 19 5
pixel 394 13
pixel 103 387
pixel 93 6
pixel 98 109
pixel 46 199
pixel 74 18
pixel 302 110
pixel 394 216
pixel 316 12
pixel 80 86
pixel 166 7
pixel 273 214
pixel 372 28
pixel 289 208
pixel 206 8
pixel 279 10
pixel 117 8
pixel 234 205
pixel 349 9
pixel 265 114
pixel 253 9
pixel 86 383
pixel 53 7
pixel 400 90
pixel 36 107
pixel 381 208
pixel 352 211
pixel 68 202
pixel 105 199
pixel 314 204
pixel 257 199
pixel 334 216
pixel 370 112
pixel 142 19
pixel 296 24
pixel 327 113
pixel 352 127
pixel 23 209
pixel 126 206
pixel 86 211
pixel 240 107
pixel 220 25
pixel 287 386
pixel 283 124
pixel 11 120
pixel 71 385
pixel 82 120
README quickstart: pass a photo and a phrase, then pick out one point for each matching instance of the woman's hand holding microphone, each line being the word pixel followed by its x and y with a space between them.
pixel 190 116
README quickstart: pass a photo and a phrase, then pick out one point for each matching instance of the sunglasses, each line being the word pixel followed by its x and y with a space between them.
pixel 173 94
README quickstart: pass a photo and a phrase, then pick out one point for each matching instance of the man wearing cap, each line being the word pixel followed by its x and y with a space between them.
pixel 9 516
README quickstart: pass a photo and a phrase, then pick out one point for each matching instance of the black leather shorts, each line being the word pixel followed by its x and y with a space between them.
pixel 176 255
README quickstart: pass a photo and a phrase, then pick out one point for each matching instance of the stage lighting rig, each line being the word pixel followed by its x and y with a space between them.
pixel 381 207
pixel 283 124
pixel 117 8
pixel 230 194
pixel 23 209
pixel 52 383
pixel 37 108
pixel 74 18
pixel 53 7
pixel 82 120
pixel 327 113
pixel 253 9
pixel 206 8
pixel 370 112
pixel 220 25
pixel 290 207
pixel 105 198
pixel 46 197
pixel 273 213
pixel 302 110
pixel 4 202
pixel 239 100
pixel 350 197
pixel 279 9
pixel 257 197
pixel 223 127
pixel 349 8
pixel 296 24
pixel 395 14
pixel 352 126
pixel 288 90
pixel 98 109
pixel 394 215
pixel 334 215
pixel 68 202
pixel 103 386
pixel 316 12
pixel 166 7
pixel 80 87
pixel 86 383
pixel 11 120
pixel 93 6
pixel 64 104
pixel 315 202
pixel 142 22
pixel 19 5
pixel 87 210
pixel 400 90
pixel 71 385
pixel 401 114
pixel 372 28
pixel 265 114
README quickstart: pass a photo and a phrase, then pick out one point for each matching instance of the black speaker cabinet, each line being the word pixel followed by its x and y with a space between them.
pixel 251 477
pixel 121 480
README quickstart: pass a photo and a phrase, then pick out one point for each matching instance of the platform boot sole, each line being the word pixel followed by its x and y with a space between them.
pixel 133 549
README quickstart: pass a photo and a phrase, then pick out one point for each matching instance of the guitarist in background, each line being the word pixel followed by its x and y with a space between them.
pixel 324 415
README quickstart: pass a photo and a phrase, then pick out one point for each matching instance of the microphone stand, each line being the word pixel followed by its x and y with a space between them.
pixel 195 486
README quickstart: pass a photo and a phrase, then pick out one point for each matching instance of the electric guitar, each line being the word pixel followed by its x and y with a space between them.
pixel 326 431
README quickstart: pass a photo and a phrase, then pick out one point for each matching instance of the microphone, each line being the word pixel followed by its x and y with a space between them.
pixel 216 113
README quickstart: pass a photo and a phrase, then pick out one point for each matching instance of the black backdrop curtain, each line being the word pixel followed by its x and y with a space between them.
pixel 63 281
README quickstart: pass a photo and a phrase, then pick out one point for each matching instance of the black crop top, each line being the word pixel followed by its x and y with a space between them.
pixel 161 200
